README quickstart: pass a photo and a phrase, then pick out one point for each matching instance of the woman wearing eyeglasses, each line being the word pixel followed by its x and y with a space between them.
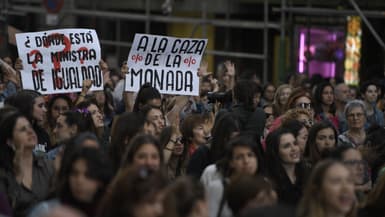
pixel 355 113
pixel 353 160
pixel 324 105
pixel 173 151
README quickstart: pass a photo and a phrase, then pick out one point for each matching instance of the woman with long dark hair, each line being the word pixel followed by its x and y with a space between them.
pixel 32 104
pixel 285 167
pixel 24 177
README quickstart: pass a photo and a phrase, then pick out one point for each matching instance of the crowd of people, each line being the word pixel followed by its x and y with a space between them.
pixel 309 147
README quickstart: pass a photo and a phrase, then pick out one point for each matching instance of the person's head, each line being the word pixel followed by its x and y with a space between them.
pixel 147 95
pixel 154 115
pixel 30 103
pixel 68 124
pixel 353 160
pixel 375 154
pixel 86 175
pixel 192 129
pixel 56 105
pixel 282 95
pixel 125 127
pixel 135 192
pixel 355 114
pixel 247 191
pixel 329 192
pixel 369 92
pixel 300 114
pixel 300 132
pixel 81 140
pixel 171 134
pixel 144 150
pixel 17 132
pixel 322 138
pixel 341 93
pixel 242 156
pixel 268 92
pixel 282 148
pixel 247 93
pixel 324 96
pixel 185 197
pixel 299 98
pixel 16 136
pixel 205 85
pixel 90 106
pixel 225 127
pixel 268 109
pixel 353 92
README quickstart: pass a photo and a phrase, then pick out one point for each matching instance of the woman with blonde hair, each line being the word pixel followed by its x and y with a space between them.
pixel 280 99
pixel 329 192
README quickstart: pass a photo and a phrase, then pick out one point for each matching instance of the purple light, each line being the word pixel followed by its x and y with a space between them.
pixel 301 53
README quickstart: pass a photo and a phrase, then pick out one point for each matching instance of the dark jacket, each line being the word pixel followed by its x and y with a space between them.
pixel 252 122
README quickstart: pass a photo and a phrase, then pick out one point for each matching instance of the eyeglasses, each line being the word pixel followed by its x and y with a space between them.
pixel 268 115
pixel 177 140
pixel 304 105
pixel 357 115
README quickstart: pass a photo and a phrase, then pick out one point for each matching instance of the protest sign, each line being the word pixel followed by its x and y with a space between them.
pixel 170 64
pixel 57 61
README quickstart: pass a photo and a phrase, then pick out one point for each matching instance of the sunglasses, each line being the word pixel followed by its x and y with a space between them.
pixel 177 140
pixel 304 105
pixel 268 115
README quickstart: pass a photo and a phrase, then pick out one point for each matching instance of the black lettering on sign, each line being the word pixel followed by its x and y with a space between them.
pixel 164 80
pixel 173 61
pixel 159 47
pixel 143 41
pixel 81 37
pixel 50 40
pixel 73 55
pixel 38 80
pixel 188 46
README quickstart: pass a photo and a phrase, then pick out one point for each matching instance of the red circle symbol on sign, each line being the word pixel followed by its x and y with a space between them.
pixel 53 6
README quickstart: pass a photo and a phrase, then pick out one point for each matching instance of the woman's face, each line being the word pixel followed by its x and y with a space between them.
pixel 269 116
pixel 176 138
pixel 303 102
pixel 199 136
pixel 156 116
pixel 302 139
pixel 327 96
pixel 58 107
pixel 284 96
pixel 62 130
pixel 338 190
pixel 352 159
pixel 244 161
pixel 39 109
pixel 147 155
pixel 325 139
pixel 371 94
pixel 97 116
pixel 289 151
pixel 269 93
pixel 83 188
pixel 23 134
pixel 100 97
pixel 356 118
